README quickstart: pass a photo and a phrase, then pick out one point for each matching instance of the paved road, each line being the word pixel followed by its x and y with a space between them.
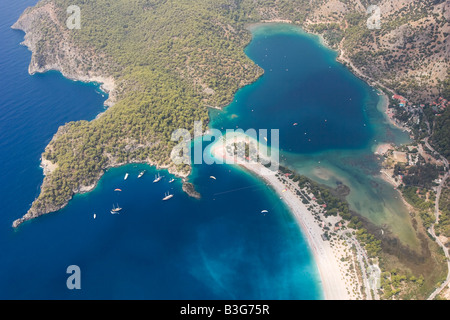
pixel 431 230
pixel 362 257
pixel 444 160
pixel 436 213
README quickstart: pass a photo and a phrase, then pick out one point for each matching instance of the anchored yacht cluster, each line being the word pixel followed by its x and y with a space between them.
pixel 116 209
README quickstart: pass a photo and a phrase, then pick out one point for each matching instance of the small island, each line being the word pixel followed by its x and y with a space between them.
pixel 189 188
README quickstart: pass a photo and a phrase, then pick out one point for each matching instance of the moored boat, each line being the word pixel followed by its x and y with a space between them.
pixel 141 174
pixel 116 210
pixel 157 178
pixel 167 196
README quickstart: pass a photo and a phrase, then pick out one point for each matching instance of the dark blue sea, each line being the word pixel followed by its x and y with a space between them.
pixel 219 247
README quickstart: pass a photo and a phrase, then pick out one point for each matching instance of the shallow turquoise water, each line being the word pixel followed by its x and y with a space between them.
pixel 329 120
pixel 219 247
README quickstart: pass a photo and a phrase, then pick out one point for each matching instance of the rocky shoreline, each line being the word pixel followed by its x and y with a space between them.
pixel 189 188
pixel 65 62
pixel 48 167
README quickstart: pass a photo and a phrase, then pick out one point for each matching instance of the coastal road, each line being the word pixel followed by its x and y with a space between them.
pixel 361 255
pixel 432 232
pixel 444 160
pixel 437 214
pixel 362 260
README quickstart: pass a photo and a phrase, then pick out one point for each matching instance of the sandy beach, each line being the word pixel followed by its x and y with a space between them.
pixel 333 283
pixel 382 148
pixel 389 113
pixel 328 259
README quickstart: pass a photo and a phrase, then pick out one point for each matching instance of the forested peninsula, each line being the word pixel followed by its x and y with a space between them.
pixel 164 62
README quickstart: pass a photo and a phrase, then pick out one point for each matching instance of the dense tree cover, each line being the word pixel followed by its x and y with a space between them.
pixel 444 219
pixel 170 60
pixel 334 206
pixel 394 284
pixel 324 196
pixel 441 134
pixel 138 128
pixel 421 175
pixel 417 197
pixel 446 87
pixel 332 32
pixel 371 244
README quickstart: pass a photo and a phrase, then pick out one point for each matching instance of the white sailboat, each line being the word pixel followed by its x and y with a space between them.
pixel 171 180
pixel 141 174
pixel 157 178
pixel 95 216
pixel 126 176
pixel 167 196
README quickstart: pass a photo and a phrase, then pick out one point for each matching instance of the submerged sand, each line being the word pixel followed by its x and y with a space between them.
pixel 334 282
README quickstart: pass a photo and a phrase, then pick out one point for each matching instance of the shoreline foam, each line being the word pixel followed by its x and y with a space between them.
pixel 327 261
